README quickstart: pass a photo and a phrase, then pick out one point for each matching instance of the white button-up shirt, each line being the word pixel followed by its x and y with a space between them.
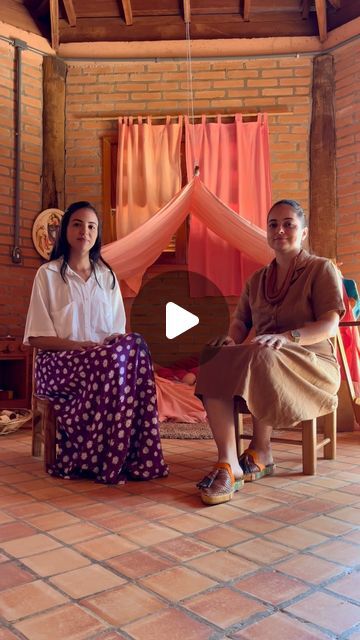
pixel 75 309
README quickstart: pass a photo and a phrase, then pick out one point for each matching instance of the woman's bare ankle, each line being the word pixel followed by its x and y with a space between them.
pixel 263 451
pixel 235 467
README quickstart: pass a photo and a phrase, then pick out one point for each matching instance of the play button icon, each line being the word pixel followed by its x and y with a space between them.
pixel 175 324
pixel 178 320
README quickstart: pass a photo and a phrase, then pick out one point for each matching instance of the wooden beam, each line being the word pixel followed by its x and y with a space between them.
pixel 54 20
pixel 187 11
pixel 53 173
pixel 247 4
pixel 70 12
pixel 335 3
pixel 151 28
pixel 322 225
pixel 320 6
pixel 127 9
pixel 227 113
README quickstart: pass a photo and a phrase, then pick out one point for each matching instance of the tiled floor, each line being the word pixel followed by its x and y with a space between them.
pixel 146 561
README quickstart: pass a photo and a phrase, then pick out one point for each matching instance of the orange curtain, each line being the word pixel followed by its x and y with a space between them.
pixel 234 164
pixel 132 255
pixel 148 168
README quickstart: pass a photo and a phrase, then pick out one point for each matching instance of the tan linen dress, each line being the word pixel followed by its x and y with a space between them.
pixel 280 387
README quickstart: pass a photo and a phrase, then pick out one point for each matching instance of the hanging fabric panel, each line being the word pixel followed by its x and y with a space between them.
pixel 148 168
pixel 234 164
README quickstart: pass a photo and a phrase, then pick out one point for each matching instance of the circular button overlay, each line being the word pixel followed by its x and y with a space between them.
pixel 164 307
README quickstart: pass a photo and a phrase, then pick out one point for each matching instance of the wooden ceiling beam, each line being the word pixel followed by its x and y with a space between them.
pixel 187 11
pixel 154 28
pixel 127 9
pixel 70 12
pixel 320 6
pixel 247 4
pixel 54 21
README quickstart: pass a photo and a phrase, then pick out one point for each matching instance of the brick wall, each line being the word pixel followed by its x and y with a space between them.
pixel 347 105
pixel 159 87
pixel 16 280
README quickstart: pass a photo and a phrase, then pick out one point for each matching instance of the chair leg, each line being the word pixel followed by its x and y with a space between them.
pixel 330 432
pixel 239 429
pixel 309 447
pixel 36 433
pixel 49 438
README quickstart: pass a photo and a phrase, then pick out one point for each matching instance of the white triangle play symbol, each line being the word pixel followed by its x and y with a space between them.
pixel 178 320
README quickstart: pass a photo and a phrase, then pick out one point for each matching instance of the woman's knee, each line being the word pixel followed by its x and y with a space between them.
pixel 264 356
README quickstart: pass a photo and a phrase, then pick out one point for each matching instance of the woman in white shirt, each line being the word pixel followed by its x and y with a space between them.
pixel 99 378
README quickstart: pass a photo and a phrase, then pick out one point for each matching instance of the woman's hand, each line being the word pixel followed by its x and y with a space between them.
pixel 222 341
pixel 86 344
pixel 112 338
pixel 53 343
pixel 273 340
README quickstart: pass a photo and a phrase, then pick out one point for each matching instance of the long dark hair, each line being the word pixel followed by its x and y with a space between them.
pixel 61 248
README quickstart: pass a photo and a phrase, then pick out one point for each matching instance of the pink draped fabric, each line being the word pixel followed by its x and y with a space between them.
pixel 234 164
pixel 149 170
pixel 132 255
pixel 351 340
pixel 176 401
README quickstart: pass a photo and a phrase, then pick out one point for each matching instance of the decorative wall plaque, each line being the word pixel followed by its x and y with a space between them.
pixel 45 230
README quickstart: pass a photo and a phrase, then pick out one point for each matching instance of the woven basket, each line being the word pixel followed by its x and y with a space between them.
pixel 22 416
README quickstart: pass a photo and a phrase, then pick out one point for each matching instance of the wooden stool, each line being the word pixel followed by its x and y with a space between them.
pixel 44 430
pixel 309 442
pixel 43 425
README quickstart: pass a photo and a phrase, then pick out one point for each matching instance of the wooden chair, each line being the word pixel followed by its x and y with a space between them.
pixel 309 428
pixel 43 425
pixel 309 440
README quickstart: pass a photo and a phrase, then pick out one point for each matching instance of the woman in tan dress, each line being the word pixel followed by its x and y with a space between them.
pixel 288 372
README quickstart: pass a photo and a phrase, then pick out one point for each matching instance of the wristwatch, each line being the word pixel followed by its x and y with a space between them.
pixel 295 335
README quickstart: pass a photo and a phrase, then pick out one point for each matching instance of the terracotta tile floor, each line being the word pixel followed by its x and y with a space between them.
pixel 147 561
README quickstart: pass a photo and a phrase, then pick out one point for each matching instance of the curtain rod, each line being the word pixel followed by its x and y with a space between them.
pixel 196 117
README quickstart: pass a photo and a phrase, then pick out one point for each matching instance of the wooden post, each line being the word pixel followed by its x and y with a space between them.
pixel 322 234
pixel 53 186
pixel 309 447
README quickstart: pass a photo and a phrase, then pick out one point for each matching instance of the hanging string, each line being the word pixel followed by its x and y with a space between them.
pixel 191 111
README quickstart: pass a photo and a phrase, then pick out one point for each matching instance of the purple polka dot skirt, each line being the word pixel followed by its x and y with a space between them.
pixel 104 401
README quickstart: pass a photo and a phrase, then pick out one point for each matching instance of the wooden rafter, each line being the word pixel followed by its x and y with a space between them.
pixel 70 12
pixel 247 4
pixel 335 3
pixel 187 11
pixel 320 6
pixel 54 20
pixel 127 9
